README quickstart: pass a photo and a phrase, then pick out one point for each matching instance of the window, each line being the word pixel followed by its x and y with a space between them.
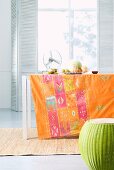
pixel 70 27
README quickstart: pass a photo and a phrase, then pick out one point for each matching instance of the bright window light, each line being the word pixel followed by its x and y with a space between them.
pixel 70 27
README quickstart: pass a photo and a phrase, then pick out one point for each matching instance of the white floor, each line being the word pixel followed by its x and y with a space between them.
pixel 9 119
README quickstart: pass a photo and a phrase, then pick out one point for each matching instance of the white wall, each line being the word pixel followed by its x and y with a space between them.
pixel 5 53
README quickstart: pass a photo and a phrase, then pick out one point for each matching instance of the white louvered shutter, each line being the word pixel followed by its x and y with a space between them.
pixel 26 57
pixel 105 18
pixel 28 36
pixel 14 59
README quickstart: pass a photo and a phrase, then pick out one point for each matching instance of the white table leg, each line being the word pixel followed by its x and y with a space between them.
pixel 29 103
pixel 24 107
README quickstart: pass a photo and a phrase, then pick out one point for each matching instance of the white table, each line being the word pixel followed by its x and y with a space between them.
pixel 26 106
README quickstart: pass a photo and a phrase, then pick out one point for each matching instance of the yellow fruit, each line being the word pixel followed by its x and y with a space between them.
pixel 84 69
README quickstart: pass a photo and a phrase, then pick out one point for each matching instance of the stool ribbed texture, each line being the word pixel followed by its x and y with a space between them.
pixel 96 143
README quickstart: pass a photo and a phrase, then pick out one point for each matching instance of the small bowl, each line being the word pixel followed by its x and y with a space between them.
pixel 94 72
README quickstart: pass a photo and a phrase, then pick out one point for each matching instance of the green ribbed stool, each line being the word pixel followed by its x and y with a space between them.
pixel 96 143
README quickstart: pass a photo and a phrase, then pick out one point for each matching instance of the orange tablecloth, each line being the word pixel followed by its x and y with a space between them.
pixel 64 102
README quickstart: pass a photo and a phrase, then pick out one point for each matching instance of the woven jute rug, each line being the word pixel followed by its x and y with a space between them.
pixel 12 143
